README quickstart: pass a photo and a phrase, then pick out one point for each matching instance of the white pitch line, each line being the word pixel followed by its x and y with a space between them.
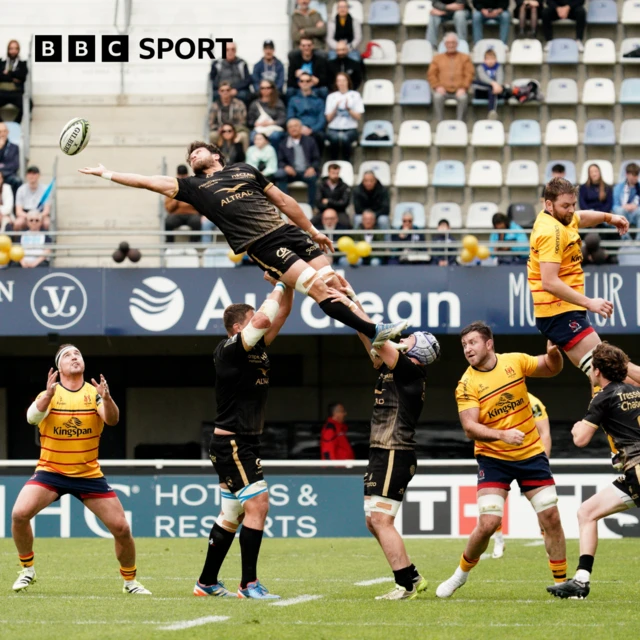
pixel 297 600
pixel 187 624
pixel 367 583
pixel 535 543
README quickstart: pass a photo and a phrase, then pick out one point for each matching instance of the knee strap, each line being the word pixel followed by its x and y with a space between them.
pixel 326 272
pixel 305 280
pixel 251 491
pixel 491 505
pixel 585 363
pixel 231 511
pixel 545 499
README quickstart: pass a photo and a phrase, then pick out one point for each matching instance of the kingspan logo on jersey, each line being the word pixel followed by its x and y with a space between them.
pixel 58 301
pixel 157 305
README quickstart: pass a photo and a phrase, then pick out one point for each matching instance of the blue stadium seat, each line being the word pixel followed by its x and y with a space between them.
pixel 563 51
pixel 415 92
pixel 525 133
pixel 449 173
pixel 569 170
pixel 629 91
pixel 602 12
pixel 380 128
pixel 15 132
pixel 599 132
pixel 384 13
pixel 416 209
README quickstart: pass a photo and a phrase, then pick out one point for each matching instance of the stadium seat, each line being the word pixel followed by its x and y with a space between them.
pixel 602 12
pixel 522 173
pixel 307 209
pixel 606 169
pixel 411 174
pixel 416 13
pixel 630 12
pixel 561 133
pixel 487 133
pixel 463 46
pixel 416 52
pixel 480 47
pixel 599 51
pixel 181 258
pixel 630 91
pixel 448 173
pixel 320 7
pixel 630 133
pixel 599 132
pixel 378 93
pixel 628 45
pixel 449 211
pixel 355 9
pixel 525 133
pixel 485 173
pixel 598 91
pixel 15 132
pixel 383 55
pixel 416 209
pixel 346 170
pixel 563 51
pixel 569 166
pixel 415 93
pixel 414 133
pixel 377 128
pixel 480 214
pixel 451 133
pixel 623 169
pixel 525 52
pixel 562 91
pixel 380 169
pixel 384 13
pixel 217 257
pixel 522 213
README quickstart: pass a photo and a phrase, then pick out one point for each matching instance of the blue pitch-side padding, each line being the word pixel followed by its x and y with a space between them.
pixel 600 132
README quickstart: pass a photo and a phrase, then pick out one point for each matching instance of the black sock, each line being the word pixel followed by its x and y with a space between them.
pixel 250 540
pixel 404 577
pixel 586 563
pixel 220 541
pixel 414 572
pixel 342 313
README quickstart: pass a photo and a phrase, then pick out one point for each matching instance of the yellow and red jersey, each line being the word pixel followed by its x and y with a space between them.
pixel 551 241
pixel 502 398
pixel 537 408
pixel 70 433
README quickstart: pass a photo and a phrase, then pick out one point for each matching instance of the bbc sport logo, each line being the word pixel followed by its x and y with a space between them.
pixel 157 307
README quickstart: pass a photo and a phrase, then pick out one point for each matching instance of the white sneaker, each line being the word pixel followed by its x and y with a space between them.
pixel 450 586
pixel 133 586
pixel 498 546
pixel 26 577
pixel 399 593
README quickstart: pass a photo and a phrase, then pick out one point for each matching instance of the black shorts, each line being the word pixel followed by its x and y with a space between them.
pixel 278 250
pixel 81 488
pixel 531 473
pixel 389 472
pixel 236 460
pixel 566 329
pixel 629 483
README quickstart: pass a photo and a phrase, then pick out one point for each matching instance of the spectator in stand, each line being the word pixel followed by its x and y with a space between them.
pixel 527 10
pixel 228 110
pixel 344 28
pixel 563 10
pixel 267 114
pixel 33 242
pixel 343 111
pixel 6 206
pixel 448 257
pixel 485 10
pixel 450 76
pixel 508 255
pixel 372 195
pixel 489 82
pixel 595 194
pixel 306 60
pixel 309 109
pixel 308 23
pixel 334 194
pixel 9 159
pixel 29 198
pixel 342 63
pixel 330 221
pixel 268 68
pixel 229 145
pixel 263 156
pixel 626 196
pixel 298 159
pixel 180 213
pixel 557 171
pixel 235 71
pixel 369 224
pixel 334 444
pixel 447 10
pixel 407 238
pixel 13 74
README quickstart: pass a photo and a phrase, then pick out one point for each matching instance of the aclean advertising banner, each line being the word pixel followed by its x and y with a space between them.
pixel 191 301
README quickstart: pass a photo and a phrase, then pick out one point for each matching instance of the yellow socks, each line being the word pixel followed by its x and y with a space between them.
pixel 128 573
pixel 26 560
pixel 466 565
pixel 558 569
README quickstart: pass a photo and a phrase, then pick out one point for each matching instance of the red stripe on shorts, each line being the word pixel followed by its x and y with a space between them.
pixel 581 336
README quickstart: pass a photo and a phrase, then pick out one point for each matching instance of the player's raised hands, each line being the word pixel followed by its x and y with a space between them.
pixel 512 436
pixel 601 306
pixel 270 279
pixel 52 381
pixel 102 388
pixel 323 242
pixel 620 223
pixel 93 171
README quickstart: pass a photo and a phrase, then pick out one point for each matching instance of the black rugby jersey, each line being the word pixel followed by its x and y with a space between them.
pixel 234 200
pixel 242 386
pixel 398 401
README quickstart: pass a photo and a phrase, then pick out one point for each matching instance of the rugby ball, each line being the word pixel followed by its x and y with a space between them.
pixel 75 136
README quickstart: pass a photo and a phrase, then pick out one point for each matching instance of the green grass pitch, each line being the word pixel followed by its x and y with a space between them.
pixel 78 593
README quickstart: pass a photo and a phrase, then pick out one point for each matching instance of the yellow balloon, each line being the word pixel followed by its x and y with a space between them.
pixel 483 252
pixel 466 255
pixel 5 243
pixel 363 249
pixel 470 243
pixel 345 244
pixel 4 258
pixel 235 257
pixel 352 257
pixel 16 253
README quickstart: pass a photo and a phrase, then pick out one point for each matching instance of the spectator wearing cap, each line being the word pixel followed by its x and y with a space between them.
pixel 268 68
pixel 30 198
pixel 9 159
pixel 235 71
pixel 180 213
pixel 308 23
pixel 626 196
pixel 342 63
pixel 344 28
pixel 309 109
pixel 13 74
pixel 333 193
pixel 372 195
pixel 307 60
pixel 34 241
pixel 508 231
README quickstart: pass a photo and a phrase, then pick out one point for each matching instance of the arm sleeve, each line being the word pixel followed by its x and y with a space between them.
pixel 550 246
pixel 320 120
pixel 184 191
pixel 279 76
pixel 539 411
pixel 11 159
pixel 596 410
pixel 608 201
pixel 357 34
pixel 500 73
pixel 466 395
pixel 281 114
pixel 528 363
pixel 314 157
pixel 385 206
pixel 252 114
pixel 256 76
pixel 213 74
pixel 245 81
pixel 358 204
pixel 481 74
pixel 339 200
pixel 331 30
pixel 272 162
pixel 582 197
pixel 321 71
pixel 406 371
pixel 439 5
pixel 433 75
pixel 468 73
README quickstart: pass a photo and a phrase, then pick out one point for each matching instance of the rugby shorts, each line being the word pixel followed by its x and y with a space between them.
pixel 531 473
pixel 566 329
pixel 389 472
pixel 236 459
pixel 81 488
pixel 629 483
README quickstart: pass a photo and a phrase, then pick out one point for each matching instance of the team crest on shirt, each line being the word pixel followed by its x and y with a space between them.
pixel 87 399
pixel 510 372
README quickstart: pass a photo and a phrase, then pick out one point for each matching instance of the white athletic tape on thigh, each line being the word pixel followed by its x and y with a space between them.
pixel 367 506
pixel 251 491
pixel 490 504
pixel 379 504
pixel 230 510
pixel 306 276
pixel 625 497
pixel 326 272
pixel 585 363
pixel 544 499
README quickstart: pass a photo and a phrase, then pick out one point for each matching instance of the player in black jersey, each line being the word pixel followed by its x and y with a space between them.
pixel 240 201
pixel 242 384
pixel 617 410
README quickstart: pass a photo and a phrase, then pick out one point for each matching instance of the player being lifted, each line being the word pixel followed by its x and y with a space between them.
pixel 617 410
pixel 242 385
pixel 240 201
pixel 70 415
pixel 495 412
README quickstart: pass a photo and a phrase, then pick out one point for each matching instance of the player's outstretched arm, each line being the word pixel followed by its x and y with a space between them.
pixel 165 185
pixel 474 430
pixel 594 218
pixel 550 364
pixel 286 304
pixel 582 433
pixel 39 408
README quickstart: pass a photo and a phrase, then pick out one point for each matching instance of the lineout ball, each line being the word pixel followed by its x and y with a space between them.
pixel 75 136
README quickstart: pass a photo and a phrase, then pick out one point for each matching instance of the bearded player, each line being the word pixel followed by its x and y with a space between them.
pixel 242 203
pixel 70 415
